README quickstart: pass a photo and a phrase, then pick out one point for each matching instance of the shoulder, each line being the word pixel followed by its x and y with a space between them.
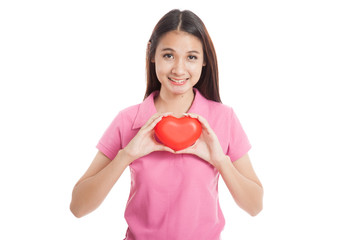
pixel 127 115
pixel 217 109
pixel 210 108
pixel 130 112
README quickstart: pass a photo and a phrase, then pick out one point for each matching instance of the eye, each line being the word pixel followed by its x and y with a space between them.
pixel 168 56
pixel 192 57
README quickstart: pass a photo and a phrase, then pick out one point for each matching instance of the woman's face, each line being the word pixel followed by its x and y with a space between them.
pixel 179 59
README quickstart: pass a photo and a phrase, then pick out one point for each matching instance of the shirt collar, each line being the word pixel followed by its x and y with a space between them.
pixel 147 108
pixel 145 111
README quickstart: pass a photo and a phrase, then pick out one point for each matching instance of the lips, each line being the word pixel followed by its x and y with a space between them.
pixel 178 81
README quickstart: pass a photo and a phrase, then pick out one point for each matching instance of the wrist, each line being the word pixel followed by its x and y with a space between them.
pixel 126 156
pixel 222 161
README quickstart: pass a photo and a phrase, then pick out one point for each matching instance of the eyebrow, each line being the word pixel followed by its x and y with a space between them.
pixel 172 50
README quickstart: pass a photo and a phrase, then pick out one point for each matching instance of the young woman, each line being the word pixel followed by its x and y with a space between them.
pixel 174 195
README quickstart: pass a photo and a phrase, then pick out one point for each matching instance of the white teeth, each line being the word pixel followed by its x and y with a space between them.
pixel 177 81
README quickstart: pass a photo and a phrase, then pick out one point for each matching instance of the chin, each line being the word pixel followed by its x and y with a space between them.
pixel 182 90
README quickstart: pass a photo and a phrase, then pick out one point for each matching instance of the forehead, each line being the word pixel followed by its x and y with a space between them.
pixel 180 41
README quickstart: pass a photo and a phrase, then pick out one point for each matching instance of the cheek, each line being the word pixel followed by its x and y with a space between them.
pixel 160 70
pixel 196 70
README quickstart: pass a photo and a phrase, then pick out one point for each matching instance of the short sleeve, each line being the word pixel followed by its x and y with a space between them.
pixel 239 143
pixel 110 143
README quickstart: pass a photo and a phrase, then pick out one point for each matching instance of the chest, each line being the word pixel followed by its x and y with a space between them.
pixel 167 172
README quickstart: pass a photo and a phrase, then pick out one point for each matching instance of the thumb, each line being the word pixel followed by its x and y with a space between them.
pixel 160 147
pixel 186 150
pixel 192 149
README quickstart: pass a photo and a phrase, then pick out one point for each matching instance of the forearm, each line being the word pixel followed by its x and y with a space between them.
pixel 90 193
pixel 247 193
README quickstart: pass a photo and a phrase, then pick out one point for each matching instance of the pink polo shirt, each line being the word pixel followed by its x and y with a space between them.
pixel 172 196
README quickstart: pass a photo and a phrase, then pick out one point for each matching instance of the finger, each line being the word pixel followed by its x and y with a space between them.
pixel 192 115
pixel 168 114
pixel 183 151
pixel 160 147
pixel 190 149
pixel 151 119
pixel 204 123
pixel 153 124
pixel 202 120
pixel 199 117
pixel 165 148
pixel 155 118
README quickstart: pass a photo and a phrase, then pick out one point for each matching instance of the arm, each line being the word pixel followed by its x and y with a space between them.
pixel 98 180
pixel 238 176
pixel 242 183
pixel 96 183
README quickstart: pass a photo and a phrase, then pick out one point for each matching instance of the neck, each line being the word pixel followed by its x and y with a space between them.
pixel 178 104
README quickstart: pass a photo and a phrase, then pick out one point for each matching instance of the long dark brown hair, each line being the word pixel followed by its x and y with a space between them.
pixel 186 21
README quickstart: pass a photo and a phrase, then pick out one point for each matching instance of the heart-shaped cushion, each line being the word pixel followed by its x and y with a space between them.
pixel 178 133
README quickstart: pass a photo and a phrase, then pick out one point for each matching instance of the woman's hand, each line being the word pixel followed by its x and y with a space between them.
pixel 144 141
pixel 207 146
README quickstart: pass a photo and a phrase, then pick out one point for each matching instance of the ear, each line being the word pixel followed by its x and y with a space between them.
pixel 204 64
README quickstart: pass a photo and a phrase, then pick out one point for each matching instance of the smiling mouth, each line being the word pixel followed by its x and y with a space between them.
pixel 178 81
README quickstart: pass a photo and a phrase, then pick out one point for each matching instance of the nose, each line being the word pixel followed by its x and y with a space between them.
pixel 178 67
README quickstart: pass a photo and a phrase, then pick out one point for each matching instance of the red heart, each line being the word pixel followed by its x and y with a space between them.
pixel 178 133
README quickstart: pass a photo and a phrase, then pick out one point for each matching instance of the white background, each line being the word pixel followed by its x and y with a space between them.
pixel 290 69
